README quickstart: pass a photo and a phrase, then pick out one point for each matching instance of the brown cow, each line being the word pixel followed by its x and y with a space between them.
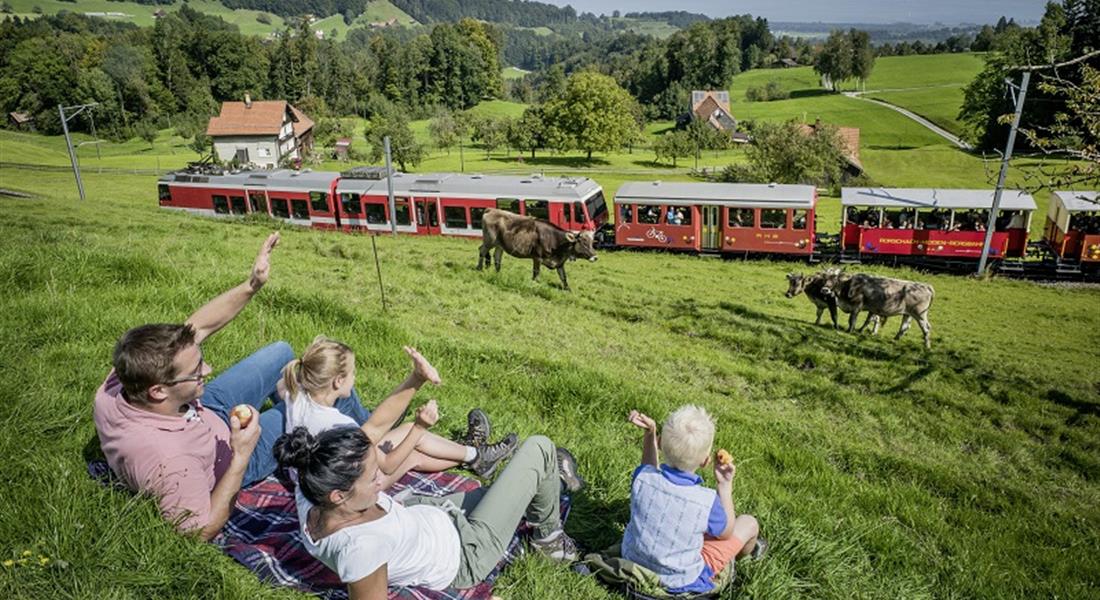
pixel 527 237
pixel 817 288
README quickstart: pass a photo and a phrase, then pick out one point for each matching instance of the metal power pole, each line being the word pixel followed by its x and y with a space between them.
pixel 1019 99
pixel 69 142
pixel 389 185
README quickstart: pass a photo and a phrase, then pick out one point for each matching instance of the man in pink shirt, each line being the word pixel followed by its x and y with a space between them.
pixel 168 433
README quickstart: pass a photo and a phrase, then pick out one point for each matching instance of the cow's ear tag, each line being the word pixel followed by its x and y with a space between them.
pixel 572 237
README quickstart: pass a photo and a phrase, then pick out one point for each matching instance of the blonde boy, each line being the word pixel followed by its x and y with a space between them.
pixel 684 532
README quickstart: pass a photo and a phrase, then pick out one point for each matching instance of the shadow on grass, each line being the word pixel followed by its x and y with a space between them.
pixel 893 147
pixel 572 162
pixel 809 93
pixel 651 164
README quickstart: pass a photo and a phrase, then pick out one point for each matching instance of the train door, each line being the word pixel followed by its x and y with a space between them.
pixel 427 216
pixel 710 227
pixel 257 200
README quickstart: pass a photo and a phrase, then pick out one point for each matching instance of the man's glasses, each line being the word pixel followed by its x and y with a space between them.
pixel 197 377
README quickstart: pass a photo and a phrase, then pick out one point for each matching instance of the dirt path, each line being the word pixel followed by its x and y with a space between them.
pixel 940 131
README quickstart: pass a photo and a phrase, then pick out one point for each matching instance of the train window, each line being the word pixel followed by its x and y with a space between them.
pixel 799 221
pixel 349 203
pixel 259 202
pixel 376 214
pixel 508 204
pixel 649 214
pixel 578 213
pixel 455 216
pixel 926 219
pixel 1010 219
pixel 279 208
pixel 299 209
pixel 565 210
pixel 773 218
pixel 476 215
pixel 318 201
pixel 402 213
pixel 237 205
pixel 626 213
pixel 221 205
pixel 163 192
pixel 683 215
pixel 540 209
pixel 741 217
pixel 597 208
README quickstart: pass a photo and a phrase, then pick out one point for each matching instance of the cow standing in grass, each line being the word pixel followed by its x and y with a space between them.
pixel 884 297
pixel 527 237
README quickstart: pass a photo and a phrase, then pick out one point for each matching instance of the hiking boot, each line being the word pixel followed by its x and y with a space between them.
pixel 760 549
pixel 567 470
pixel 489 456
pixel 558 547
pixel 478 429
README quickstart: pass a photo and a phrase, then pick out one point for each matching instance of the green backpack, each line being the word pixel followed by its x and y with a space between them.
pixel 639 583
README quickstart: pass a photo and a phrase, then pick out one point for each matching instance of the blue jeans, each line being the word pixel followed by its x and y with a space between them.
pixel 252 381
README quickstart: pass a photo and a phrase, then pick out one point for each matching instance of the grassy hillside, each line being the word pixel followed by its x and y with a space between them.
pixel 877 470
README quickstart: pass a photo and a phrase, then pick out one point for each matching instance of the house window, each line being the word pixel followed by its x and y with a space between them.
pixel 376 214
pixel 773 218
pixel 279 208
pixel 741 217
pixel 237 205
pixel 508 204
pixel 350 203
pixel 299 209
pixel 475 217
pixel 264 152
pixel 540 209
pixel 318 201
pixel 455 216
pixel 221 205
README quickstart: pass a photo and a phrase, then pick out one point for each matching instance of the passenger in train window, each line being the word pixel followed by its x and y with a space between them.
pixel 681 218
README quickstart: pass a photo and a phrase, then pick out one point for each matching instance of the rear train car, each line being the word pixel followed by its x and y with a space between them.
pixel 1072 230
pixel 941 224
pixel 725 218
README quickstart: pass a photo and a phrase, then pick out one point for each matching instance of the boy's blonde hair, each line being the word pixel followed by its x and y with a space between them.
pixel 323 361
pixel 687 437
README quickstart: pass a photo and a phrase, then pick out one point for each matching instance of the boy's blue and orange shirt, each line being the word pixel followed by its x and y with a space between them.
pixel 711 522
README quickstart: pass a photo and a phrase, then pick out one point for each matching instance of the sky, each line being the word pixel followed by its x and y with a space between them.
pixel 949 12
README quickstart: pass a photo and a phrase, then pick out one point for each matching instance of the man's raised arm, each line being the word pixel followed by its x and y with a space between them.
pixel 221 310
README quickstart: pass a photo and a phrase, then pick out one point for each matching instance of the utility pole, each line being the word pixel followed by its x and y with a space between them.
pixel 389 185
pixel 69 142
pixel 1019 100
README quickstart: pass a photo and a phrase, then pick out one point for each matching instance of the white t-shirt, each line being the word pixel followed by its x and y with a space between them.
pixel 302 411
pixel 419 544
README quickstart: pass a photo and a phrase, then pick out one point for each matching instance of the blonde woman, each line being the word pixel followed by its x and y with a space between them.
pixel 319 388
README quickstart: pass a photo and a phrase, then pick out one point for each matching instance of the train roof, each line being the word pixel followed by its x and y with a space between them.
pixel 1079 201
pixel 934 198
pixel 278 179
pixel 475 185
pixel 748 194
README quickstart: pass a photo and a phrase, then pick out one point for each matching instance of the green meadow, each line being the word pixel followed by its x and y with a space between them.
pixel 877 469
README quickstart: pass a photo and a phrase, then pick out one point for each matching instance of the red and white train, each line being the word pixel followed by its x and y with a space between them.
pixel 933 227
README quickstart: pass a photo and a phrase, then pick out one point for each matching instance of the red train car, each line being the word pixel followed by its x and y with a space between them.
pixel 357 200
pixel 453 203
pixel 940 223
pixel 1072 228
pixel 298 197
pixel 716 217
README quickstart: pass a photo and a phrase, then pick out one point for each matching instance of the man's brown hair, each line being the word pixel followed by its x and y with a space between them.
pixel 143 357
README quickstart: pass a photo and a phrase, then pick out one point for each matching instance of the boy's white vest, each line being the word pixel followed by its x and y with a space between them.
pixel 667 523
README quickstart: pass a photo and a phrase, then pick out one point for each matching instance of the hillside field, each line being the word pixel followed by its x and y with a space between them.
pixel 878 470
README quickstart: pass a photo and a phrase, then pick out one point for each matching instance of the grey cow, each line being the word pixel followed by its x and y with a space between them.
pixel 543 242
pixel 817 289
pixel 886 297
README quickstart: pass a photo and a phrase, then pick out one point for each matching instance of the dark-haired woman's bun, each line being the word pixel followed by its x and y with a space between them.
pixel 295 449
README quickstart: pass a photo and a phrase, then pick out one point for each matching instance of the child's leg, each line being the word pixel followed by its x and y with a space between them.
pixel 717 554
pixel 416 462
pixel 430 444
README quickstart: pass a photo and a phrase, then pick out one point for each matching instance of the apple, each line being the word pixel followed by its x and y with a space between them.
pixel 243 412
pixel 724 458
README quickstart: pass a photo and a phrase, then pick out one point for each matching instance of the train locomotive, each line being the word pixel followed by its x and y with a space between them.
pixel 932 228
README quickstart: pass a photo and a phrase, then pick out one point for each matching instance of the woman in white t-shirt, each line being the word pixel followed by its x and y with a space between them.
pixel 373 541
pixel 325 374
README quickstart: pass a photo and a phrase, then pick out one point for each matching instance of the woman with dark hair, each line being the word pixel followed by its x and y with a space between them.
pixel 373 541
